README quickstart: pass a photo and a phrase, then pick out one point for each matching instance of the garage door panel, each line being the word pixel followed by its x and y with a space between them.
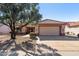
pixel 49 30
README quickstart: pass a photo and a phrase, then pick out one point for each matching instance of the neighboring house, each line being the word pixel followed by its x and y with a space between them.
pixel 46 27
pixel 4 29
pixel 72 28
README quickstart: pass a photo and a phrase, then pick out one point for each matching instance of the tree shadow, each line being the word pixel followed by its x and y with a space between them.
pixel 5 44
pixel 40 49
pixel 49 51
pixel 7 48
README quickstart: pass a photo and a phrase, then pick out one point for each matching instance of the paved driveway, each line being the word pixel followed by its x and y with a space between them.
pixel 50 37
pixel 66 46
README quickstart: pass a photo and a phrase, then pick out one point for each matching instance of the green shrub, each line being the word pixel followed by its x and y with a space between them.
pixel 33 36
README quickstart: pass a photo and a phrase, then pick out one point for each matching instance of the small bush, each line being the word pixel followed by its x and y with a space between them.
pixel 33 36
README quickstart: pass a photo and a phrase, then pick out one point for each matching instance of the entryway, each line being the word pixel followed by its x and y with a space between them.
pixel 30 29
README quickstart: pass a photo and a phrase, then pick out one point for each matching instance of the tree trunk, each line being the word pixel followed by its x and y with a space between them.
pixel 13 35
pixel 13 20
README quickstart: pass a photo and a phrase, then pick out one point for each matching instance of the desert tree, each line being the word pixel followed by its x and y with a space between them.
pixel 12 14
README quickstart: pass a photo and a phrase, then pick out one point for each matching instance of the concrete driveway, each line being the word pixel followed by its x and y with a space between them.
pixel 65 46
pixel 50 37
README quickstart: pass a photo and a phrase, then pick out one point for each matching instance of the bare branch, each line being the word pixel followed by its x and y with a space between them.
pixel 4 24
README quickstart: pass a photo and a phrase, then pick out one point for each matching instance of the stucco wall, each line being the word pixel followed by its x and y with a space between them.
pixel 24 29
pixel 37 29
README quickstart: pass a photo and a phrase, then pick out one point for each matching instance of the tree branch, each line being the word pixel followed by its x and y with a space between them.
pixel 4 24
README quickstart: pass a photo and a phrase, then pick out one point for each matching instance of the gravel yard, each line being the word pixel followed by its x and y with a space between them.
pixel 50 45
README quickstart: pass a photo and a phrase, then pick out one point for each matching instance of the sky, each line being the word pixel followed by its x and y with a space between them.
pixel 60 11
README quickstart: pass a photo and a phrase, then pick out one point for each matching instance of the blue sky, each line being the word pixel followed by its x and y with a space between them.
pixel 60 11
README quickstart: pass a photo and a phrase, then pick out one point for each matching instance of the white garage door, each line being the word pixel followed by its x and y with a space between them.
pixel 49 30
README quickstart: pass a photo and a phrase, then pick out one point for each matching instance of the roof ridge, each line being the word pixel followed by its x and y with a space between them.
pixel 50 20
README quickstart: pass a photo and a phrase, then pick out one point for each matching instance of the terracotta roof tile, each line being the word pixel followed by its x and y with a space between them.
pixel 71 24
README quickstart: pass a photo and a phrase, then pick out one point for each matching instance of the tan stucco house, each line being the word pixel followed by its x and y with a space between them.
pixel 46 27
pixel 51 27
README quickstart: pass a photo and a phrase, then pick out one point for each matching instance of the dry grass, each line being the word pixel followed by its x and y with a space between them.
pixel 19 38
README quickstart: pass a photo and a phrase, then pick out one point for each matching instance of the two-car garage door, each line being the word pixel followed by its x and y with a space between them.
pixel 49 30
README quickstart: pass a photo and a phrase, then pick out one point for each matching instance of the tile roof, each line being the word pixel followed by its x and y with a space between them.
pixel 49 21
pixel 72 24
